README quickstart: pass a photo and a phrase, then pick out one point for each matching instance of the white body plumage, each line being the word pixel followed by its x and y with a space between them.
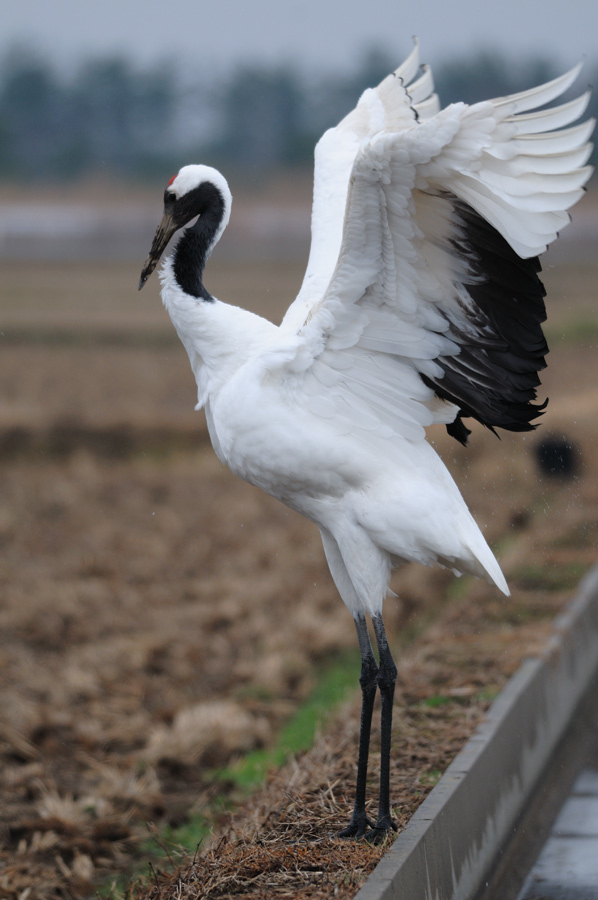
pixel 377 499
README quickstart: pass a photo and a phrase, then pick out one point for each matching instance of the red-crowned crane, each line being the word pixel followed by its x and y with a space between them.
pixel 421 304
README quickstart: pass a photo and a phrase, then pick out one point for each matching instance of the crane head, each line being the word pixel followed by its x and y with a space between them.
pixel 194 191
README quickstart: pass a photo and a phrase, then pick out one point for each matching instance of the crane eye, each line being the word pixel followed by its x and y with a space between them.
pixel 171 197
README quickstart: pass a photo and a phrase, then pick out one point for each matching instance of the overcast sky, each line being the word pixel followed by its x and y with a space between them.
pixel 317 33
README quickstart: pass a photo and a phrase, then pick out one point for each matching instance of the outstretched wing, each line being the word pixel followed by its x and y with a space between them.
pixel 402 98
pixel 434 309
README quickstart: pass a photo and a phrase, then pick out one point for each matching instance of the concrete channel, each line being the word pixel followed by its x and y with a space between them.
pixel 456 846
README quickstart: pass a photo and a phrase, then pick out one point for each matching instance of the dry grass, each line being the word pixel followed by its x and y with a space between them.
pixel 159 617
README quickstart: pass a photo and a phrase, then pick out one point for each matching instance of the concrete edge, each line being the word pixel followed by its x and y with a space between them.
pixel 449 844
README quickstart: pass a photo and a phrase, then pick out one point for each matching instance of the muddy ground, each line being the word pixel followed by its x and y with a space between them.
pixel 160 619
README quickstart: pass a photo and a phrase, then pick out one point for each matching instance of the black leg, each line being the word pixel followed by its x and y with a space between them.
pixel 386 679
pixel 368 679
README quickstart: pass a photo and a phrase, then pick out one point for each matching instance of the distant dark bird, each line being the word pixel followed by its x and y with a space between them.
pixel 557 457
pixel 421 304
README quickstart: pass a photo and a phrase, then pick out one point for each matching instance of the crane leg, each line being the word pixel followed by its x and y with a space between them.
pixel 368 680
pixel 386 679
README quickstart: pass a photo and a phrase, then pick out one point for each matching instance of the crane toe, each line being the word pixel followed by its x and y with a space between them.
pixel 383 829
pixel 357 827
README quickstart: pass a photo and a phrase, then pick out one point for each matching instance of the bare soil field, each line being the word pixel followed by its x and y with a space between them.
pixel 159 619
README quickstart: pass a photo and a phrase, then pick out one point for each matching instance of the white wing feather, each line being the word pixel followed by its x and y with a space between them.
pixel 395 297
pixel 392 106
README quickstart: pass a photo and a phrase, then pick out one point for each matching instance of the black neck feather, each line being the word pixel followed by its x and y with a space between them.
pixel 196 243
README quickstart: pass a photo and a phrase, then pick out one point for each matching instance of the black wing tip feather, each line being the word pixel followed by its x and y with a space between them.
pixel 458 430
pixel 494 376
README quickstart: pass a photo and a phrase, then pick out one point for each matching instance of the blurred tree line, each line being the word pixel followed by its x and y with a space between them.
pixel 110 117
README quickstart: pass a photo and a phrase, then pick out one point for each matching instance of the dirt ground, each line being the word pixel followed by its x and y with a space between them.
pixel 159 619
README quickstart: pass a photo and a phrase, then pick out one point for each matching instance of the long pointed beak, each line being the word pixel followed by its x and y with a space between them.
pixel 164 232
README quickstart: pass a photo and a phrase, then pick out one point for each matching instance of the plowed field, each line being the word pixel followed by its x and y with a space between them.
pixel 159 619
